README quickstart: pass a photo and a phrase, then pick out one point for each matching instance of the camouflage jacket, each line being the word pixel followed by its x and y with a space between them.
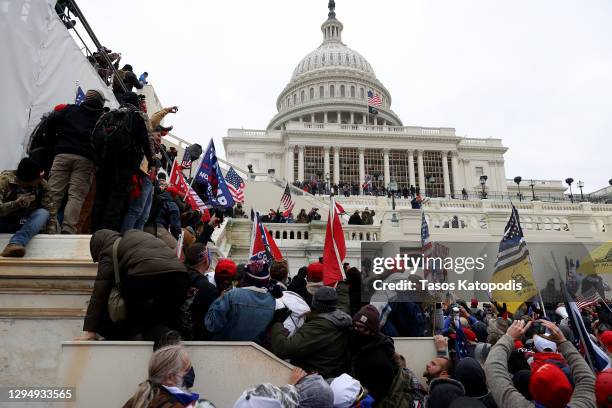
pixel 10 191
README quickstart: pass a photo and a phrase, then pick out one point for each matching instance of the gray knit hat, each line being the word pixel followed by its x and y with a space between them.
pixel 325 300
pixel 315 392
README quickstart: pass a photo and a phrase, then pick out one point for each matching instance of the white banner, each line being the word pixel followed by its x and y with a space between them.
pixel 40 66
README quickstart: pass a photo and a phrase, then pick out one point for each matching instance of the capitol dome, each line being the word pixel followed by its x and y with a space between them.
pixel 331 85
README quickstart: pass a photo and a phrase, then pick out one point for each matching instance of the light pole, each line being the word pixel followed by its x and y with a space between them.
pixel 569 182
pixel 483 181
pixel 393 189
pixel 532 185
pixel 518 180
pixel 580 184
pixel 430 179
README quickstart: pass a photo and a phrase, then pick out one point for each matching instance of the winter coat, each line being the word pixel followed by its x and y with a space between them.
pixel 299 309
pixel 163 399
pixel 10 191
pixel 321 344
pixel 506 395
pixel 140 255
pixel 469 373
pixel 129 79
pixel 355 219
pixel 242 314
pixel 404 392
pixel 405 320
pixel 70 129
pixel 205 294
pixel 373 364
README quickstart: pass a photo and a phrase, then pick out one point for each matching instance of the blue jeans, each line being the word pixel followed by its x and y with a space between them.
pixel 140 207
pixel 34 222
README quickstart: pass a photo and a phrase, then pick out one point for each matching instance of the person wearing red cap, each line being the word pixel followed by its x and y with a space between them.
pixel 606 340
pixel 603 388
pixel 548 385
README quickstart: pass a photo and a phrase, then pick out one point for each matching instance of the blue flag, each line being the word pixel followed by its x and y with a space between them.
pixel 210 176
pixel 80 96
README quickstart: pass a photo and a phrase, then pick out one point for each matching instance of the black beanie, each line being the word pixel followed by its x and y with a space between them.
pixel 28 170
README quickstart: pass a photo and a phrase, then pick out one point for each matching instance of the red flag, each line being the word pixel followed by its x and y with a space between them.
pixel 335 248
pixel 263 249
pixel 178 183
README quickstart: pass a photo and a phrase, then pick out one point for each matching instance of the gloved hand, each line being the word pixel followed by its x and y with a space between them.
pixel 280 315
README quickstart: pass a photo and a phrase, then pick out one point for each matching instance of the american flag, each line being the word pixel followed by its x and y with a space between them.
pixel 287 201
pixel 512 248
pixel 80 96
pixel 426 244
pixel 590 297
pixel 374 99
pixel 235 184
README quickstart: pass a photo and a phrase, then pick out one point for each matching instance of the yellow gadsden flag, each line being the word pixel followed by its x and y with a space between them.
pixel 513 265
pixel 599 261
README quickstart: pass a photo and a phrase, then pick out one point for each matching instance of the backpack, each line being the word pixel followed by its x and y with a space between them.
pixel 185 320
pixel 39 146
pixel 112 137
pixel 117 309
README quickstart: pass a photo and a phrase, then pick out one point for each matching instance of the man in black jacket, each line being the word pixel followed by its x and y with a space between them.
pixel 372 353
pixel 129 80
pixel 70 132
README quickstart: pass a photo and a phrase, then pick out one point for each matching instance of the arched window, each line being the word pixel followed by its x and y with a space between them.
pixel 288 101
pixel 311 93
pixel 323 59
pixel 342 91
pixel 294 99
pixel 361 93
pixel 321 92
pixel 332 91
pixel 352 91
pixel 302 96
pixel 316 61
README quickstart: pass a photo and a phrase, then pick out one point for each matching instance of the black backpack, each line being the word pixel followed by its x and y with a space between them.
pixel 40 148
pixel 112 137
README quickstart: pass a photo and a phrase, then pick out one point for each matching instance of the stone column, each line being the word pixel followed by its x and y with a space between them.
pixel 289 159
pixel 312 118
pixel 325 117
pixel 411 177
pixel 455 170
pixel 387 171
pixel 336 165
pixel 447 189
pixel 365 119
pixel 375 120
pixel 352 118
pixel 421 171
pixel 301 119
pixel 361 169
pixel 326 162
pixel 493 180
pixel 301 163
pixel 339 117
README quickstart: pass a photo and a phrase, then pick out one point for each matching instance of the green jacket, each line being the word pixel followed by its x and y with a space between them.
pixel 321 344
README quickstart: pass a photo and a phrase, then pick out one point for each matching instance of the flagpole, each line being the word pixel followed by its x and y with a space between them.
pixel 566 302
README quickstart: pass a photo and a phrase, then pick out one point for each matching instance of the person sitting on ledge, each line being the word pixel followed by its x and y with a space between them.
pixel 24 205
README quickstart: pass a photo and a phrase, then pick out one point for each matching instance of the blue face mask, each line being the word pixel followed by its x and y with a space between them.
pixel 189 378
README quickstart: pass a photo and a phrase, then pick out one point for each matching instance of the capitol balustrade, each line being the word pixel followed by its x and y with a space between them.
pixel 358 128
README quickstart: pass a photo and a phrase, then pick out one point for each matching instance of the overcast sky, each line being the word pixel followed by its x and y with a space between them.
pixel 537 74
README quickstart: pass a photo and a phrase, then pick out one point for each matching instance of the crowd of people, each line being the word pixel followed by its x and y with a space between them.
pixel 316 187
pixel 342 347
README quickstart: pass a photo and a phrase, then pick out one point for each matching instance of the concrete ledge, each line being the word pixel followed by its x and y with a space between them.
pixel 223 370
pixel 42 246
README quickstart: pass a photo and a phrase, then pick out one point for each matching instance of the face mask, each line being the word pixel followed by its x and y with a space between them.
pixel 189 378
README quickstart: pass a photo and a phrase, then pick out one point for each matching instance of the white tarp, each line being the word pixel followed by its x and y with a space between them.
pixel 40 65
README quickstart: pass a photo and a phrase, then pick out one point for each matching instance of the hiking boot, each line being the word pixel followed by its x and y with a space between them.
pixel 13 251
